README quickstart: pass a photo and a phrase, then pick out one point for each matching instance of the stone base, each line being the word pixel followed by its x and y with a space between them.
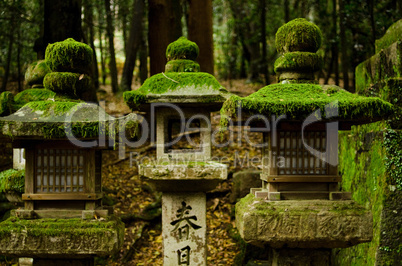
pixel 303 224
pixel 186 177
pixel 60 238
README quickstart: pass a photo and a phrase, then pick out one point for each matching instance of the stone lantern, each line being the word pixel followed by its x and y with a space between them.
pixel 299 211
pixel 180 101
pixel 63 220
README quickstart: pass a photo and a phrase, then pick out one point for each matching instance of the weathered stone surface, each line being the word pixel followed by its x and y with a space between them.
pixel 243 181
pixel 380 67
pixel 392 35
pixel 303 224
pixel 184 228
pixel 57 238
pixel 189 176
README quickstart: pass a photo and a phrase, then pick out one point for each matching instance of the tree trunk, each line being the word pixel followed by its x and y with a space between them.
pixel 344 48
pixel 200 32
pixel 89 18
pixel 19 59
pixel 162 30
pixel 370 4
pixel 100 38
pixel 143 59
pixel 287 15
pixel 133 45
pixel 110 35
pixel 8 62
pixel 62 20
pixel 88 37
pixel 335 46
pixel 264 63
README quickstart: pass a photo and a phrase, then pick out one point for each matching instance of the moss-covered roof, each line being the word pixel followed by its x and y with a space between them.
pixel 177 87
pixel 297 101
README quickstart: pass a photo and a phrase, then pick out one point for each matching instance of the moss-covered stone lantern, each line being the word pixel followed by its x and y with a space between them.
pixel 299 205
pixel 180 101
pixel 63 220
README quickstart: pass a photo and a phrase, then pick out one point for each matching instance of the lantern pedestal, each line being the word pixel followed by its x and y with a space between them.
pixel 184 226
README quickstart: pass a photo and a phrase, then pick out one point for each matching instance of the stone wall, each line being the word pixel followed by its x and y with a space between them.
pixel 371 160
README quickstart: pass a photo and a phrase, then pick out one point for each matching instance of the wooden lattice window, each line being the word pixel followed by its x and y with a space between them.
pixel 59 170
pixel 298 160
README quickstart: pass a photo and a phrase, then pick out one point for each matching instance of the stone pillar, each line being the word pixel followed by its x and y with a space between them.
pixel 184 227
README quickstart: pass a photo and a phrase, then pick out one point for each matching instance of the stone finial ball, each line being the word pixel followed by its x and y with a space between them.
pixel 182 48
pixel 298 35
pixel 69 56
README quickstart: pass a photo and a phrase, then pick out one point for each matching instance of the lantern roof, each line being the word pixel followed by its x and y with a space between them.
pixel 297 95
pixel 181 83
pixel 56 112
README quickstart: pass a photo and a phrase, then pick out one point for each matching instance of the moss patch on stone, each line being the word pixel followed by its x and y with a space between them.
pixel 298 101
pixel 69 56
pixel 12 180
pixel 393 160
pixel 134 99
pixel 392 35
pixel 163 83
pixel 36 72
pixel 182 48
pixel 6 103
pixel 182 65
pixel 71 84
pixel 368 155
pixel 57 227
pixel 32 95
pixel 52 107
pixel 298 61
pixel 298 35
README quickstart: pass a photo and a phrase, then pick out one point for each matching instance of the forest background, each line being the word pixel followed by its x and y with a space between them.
pixel 236 37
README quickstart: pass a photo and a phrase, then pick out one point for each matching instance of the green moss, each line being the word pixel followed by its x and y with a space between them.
pixel 52 107
pixel 182 65
pixel 31 95
pixel 6 103
pixel 393 160
pixel 162 83
pixel 36 72
pixel 57 227
pixel 182 48
pixel 67 83
pixel 298 35
pixel 12 180
pixel 69 56
pixel 134 99
pixel 298 101
pixel 362 166
pixel 298 61
pixel 392 35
